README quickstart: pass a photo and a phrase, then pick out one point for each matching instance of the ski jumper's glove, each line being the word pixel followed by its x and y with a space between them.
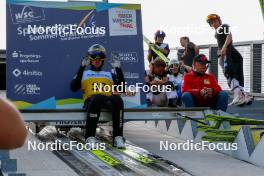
pixel 85 62
pixel 116 62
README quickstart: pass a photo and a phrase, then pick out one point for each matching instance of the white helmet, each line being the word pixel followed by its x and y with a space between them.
pixel 173 62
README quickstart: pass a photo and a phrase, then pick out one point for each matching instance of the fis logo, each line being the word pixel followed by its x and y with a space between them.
pixel 26 14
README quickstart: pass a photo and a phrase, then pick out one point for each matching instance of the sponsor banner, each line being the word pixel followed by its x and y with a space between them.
pixel 26 14
pixel 122 22
pixel 46 42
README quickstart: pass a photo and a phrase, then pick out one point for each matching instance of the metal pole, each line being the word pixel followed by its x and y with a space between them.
pixel 262 68
pixel 251 68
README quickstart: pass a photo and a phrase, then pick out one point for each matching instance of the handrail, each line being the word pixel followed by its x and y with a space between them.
pixel 156 109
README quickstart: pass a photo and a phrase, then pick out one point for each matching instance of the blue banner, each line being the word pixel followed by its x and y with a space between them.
pixel 46 42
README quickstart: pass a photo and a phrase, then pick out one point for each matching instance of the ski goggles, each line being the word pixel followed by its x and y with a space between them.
pixel 97 56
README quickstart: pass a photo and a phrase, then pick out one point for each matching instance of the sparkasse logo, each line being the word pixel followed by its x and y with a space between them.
pixel 26 14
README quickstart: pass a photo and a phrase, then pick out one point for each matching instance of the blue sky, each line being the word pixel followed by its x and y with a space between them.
pixel 187 18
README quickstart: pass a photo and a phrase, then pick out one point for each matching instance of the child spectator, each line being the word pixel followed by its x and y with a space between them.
pixel 156 80
pixel 175 78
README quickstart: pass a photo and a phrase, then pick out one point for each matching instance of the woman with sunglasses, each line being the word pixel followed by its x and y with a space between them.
pixel 230 60
pixel 89 81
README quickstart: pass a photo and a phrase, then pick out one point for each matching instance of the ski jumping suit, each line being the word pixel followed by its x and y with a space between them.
pixel 95 100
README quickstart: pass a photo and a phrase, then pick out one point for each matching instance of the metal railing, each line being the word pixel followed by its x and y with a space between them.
pixel 253 63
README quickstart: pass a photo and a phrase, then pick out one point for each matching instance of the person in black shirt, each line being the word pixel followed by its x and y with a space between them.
pixel 159 45
pixel 230 60
pixel 190 51
pixel 183 68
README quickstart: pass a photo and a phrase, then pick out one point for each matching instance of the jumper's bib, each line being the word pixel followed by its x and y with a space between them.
pixel 96 83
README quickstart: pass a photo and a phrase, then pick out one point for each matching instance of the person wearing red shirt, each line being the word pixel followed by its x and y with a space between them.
pixel 201 89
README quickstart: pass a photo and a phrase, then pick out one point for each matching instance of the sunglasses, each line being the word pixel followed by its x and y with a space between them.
pixel 174 65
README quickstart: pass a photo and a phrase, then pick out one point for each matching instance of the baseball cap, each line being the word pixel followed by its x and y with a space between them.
pixel 201 58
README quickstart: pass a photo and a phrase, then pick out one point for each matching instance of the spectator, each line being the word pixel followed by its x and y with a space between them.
pixel 12 129
pixel 183 68
pixel 190 51
pixel 201 89
pixel 159 45
pixel 156 79
pixel 175 78
pixel 230 60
